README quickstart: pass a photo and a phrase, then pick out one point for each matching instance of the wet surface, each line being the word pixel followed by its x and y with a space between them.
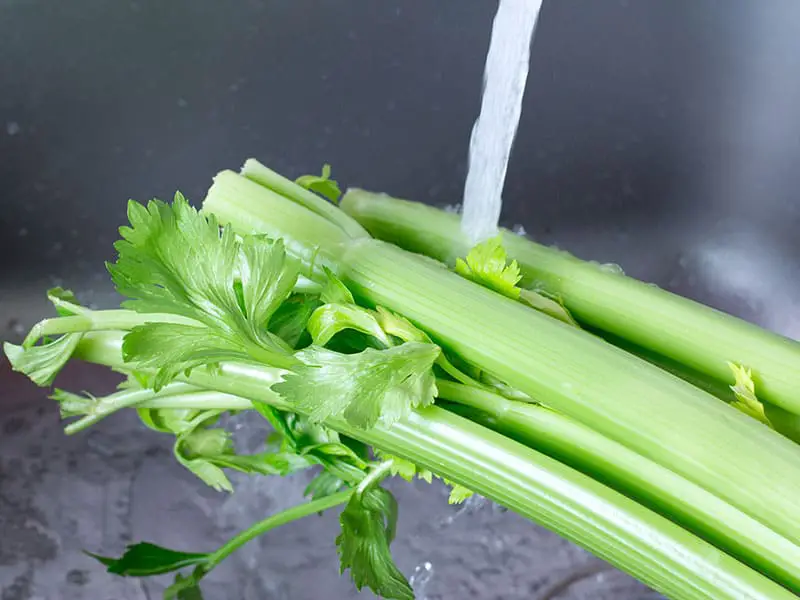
pixel 118 483
pixel 660 136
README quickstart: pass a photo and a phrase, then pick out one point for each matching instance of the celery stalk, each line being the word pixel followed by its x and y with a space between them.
pixel 697 336
pixel 660 489
pixel 618 395
pixel 612 526
pixel 276 182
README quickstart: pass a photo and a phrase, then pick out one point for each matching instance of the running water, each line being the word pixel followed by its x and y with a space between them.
pixel 493 134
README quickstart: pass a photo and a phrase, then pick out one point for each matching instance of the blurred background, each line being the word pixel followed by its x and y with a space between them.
pixel 663 136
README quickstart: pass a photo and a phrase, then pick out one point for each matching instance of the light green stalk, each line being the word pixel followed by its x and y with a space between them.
pixel 617 529
pixel 658 488
pixel 692 334
pixel 618 395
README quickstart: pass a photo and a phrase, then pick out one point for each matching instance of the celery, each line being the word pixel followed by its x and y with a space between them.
pixel 274 302
pixel 658 552
pixel 658 488
pixel 624 398
pixel 694 335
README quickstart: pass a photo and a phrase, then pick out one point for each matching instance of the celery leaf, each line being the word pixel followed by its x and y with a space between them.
pixel 145 559
pixel 548 306
pixel 321 184
pixel 335 291
pixel 43 362
pixel 486 264
pixel 173 259
pixel 744 389
pixel 365 387
pixel 330 319
pixel 290 320
pixel 368 525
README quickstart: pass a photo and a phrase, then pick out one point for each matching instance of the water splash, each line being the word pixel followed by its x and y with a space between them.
pixel 493 134
pixel 420 578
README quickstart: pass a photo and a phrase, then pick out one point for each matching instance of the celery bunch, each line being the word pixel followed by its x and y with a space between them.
pixel 370 361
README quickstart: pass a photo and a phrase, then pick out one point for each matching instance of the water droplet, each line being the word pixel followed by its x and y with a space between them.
pixel 420 578
pixel 13 128
pixel 182 103
pixel 452 208
pixel 519 229
pixel 612 268
pixel 23 231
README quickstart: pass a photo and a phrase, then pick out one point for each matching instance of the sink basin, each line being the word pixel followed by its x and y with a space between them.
pixel 663 138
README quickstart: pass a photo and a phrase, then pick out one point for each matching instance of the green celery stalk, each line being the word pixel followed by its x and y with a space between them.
pixel 618 395
pixel 276 182
pixel 617 529
pixel 660 489
pixel 782 421
pixel 695 335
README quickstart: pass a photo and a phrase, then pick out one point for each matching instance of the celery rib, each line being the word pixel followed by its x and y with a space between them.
pixel 651 548
pixel 631 474
pixel 618 395
pixel 263 175
pixel 624 398
pixel 697 336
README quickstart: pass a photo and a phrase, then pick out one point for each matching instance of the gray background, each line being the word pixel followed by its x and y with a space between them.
pixel 664 136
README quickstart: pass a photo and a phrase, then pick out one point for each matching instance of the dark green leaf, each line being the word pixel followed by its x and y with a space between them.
pixel 368 526
pixel 184 588
pixel 344 459
pixel 145 559
pixel 291 318
pixel 264 463
pixel 324 484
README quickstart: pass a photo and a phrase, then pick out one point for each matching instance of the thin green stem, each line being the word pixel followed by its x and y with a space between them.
pixel 282 518
pixel 375 476
pixel 174 395
pixel 99 320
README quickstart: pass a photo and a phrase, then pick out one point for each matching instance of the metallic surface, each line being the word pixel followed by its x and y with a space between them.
pixel 663 136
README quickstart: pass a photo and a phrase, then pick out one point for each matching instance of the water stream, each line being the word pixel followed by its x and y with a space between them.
pixel 493 134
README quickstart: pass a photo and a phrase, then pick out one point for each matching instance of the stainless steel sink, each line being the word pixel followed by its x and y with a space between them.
pixel 661 136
